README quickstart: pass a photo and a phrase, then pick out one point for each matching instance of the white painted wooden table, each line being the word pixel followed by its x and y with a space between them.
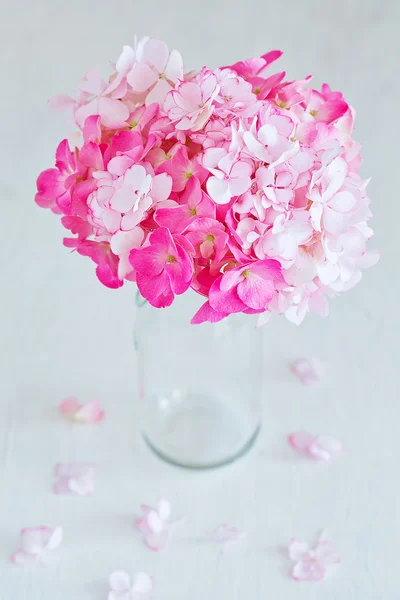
pixel 63 334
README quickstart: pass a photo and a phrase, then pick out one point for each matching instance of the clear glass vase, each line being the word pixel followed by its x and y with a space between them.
pixel 199 385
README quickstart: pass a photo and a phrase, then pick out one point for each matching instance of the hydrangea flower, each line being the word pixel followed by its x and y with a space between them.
pixel 184 176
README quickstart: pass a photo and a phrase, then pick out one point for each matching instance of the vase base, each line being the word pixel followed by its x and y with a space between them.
pixel 195 431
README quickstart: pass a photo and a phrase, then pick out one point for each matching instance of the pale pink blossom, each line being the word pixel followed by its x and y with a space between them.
pixel 91 412
pixel 317 447
pixel 155 70
pixel 95 98
pixel 123 195
pixel 156 525
pixel 121 244
pixel 190 105
pixel 290 231
pixel 229 536
pixel 122 587
pixel 312 563
pixel 269 139
pixel 235 96
pixel 229 177
pixel 74 478
pixel 37 544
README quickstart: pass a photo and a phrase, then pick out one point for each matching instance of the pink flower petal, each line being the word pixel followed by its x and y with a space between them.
pixel 316 447
pixel 36 543
pixel 156 541
pixel 312 564
pixel 155 524
pixel 86 413
pixel 143 583
pixel 90 413
pixel 297 550
pixel 69 407
pixel 308 570
pixel 228 535
pixel 74 478
pixel 122 587
pixel 120 581
pixel 308 370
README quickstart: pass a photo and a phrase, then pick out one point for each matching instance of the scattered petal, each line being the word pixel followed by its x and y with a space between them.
pixel 309 370
pixel 155 524
pixel 316 447
pixel 74 478
pixel 36 544
pixel 122 587
pixel 91 412
pixel 312 564
pixel 229 536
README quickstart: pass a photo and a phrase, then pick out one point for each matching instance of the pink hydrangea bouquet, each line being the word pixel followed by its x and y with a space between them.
pixel 238 184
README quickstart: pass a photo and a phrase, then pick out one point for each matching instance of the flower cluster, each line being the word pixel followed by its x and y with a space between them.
pixel 235 183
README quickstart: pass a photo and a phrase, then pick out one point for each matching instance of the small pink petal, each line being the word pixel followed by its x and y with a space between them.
pixel 156 541
pixel 308 370
pixel 297 550
pixel 228 535
pixel 56 538
pixel 36 543
pixel 143 584
pixel 316 447
pixel 312 564
pixel 74 478
pixel 69 406
pixel 120 581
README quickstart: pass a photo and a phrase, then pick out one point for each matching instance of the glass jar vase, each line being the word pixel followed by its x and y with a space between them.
pixel 199 385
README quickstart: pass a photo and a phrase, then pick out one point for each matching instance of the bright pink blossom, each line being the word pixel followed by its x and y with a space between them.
pixel 208 238
pixel 91 412
pixel 37 544
pixel 181 168
pixel 312 564
pixel 54 185
pixel 163 268
pixel 316 447
pixel 195 204
pixel 248 288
